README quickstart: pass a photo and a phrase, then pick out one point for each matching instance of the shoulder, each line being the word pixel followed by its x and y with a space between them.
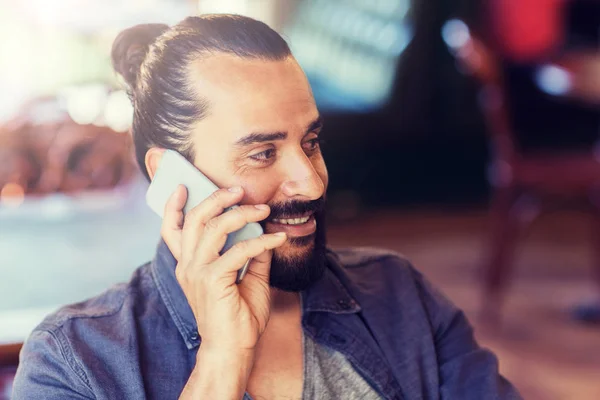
pixel 110 304
pixel 375 276
pixel 357 257
pixel 55 358
pixel 372 264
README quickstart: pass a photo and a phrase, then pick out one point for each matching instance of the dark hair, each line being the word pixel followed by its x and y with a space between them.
pixel 154 58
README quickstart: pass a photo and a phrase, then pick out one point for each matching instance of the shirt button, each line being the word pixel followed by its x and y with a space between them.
pixel 195 336
pixel 344 304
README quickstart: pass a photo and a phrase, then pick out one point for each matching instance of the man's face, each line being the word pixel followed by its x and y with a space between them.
pixel 261 132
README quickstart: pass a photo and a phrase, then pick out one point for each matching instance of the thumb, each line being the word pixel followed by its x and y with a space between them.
pixel 260 265
pixel 172 223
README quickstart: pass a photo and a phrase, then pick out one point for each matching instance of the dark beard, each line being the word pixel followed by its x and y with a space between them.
pixel 297 273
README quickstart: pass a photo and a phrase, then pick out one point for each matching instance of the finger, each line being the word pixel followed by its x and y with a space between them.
pixel 217 229
pixel 172 222
pixel 260 266
pixel 198 217
pixel 235 258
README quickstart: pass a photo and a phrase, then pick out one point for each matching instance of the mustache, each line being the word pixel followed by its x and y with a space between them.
pixel 296 207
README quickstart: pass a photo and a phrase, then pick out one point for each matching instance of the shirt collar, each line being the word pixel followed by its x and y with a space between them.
pixel 326 295
pixel 163 271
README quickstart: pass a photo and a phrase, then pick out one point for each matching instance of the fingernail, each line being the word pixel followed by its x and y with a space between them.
pixel 235 189
pixel 280 234
pixel 263 207
pixel 177 191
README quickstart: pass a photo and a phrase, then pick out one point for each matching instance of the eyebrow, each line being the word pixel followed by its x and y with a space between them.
pixel 254 138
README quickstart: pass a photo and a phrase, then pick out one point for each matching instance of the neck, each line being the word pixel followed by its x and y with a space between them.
pixel 283 302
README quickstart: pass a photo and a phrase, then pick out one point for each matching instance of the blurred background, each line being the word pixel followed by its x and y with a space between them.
pixel 461 133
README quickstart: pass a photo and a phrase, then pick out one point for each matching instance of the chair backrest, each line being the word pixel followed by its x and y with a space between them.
pixel 475 58
pixel 9 354
pixel 7 376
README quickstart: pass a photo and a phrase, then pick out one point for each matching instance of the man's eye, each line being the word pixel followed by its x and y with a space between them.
pixel 312 144
pixel 263 155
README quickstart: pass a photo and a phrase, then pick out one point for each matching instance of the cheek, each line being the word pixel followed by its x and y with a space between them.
pixel 263 188
pixel 258 190
pixel 321 170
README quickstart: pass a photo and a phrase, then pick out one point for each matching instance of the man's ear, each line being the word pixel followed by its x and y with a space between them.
pixel 152 160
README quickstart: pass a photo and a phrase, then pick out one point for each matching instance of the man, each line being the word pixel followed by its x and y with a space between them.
pixel 305 322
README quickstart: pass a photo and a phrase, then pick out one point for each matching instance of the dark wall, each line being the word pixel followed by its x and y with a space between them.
pixel 428 145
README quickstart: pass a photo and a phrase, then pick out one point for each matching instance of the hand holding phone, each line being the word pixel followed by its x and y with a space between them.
pixel 175 170
pixel 230 318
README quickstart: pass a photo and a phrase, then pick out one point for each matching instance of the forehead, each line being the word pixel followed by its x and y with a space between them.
pixel 251 94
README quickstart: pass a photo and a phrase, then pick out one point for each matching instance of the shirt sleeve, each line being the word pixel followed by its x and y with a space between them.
pixel 467 371
pixel 47 370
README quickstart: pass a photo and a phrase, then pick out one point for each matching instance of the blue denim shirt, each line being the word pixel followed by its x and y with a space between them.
pixel 139 340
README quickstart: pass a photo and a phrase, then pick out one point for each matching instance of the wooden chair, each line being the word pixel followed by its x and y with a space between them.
pixel 9 359
pixel 524 184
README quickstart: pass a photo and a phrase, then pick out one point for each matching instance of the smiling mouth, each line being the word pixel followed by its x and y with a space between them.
pixel 295 226
pixel 292 221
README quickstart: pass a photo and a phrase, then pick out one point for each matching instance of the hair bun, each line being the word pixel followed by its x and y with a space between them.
pixel 130 48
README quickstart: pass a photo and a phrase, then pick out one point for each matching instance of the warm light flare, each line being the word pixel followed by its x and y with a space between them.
pixel 12 195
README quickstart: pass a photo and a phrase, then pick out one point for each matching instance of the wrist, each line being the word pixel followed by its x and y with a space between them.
pixel 237 362
pixel 219 374
pixel 228 349
pixel 225 353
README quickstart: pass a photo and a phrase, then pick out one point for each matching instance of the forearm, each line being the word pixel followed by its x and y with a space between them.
pixel 218 375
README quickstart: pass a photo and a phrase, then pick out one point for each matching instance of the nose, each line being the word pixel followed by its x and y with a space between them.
pixel 302 181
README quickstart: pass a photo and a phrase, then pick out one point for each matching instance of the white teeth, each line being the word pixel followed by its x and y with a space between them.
pixel 292 221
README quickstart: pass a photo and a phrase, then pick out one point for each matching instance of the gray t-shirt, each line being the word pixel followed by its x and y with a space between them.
pixel 329 376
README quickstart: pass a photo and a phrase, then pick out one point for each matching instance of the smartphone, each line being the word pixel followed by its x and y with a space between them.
pixel 174 170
